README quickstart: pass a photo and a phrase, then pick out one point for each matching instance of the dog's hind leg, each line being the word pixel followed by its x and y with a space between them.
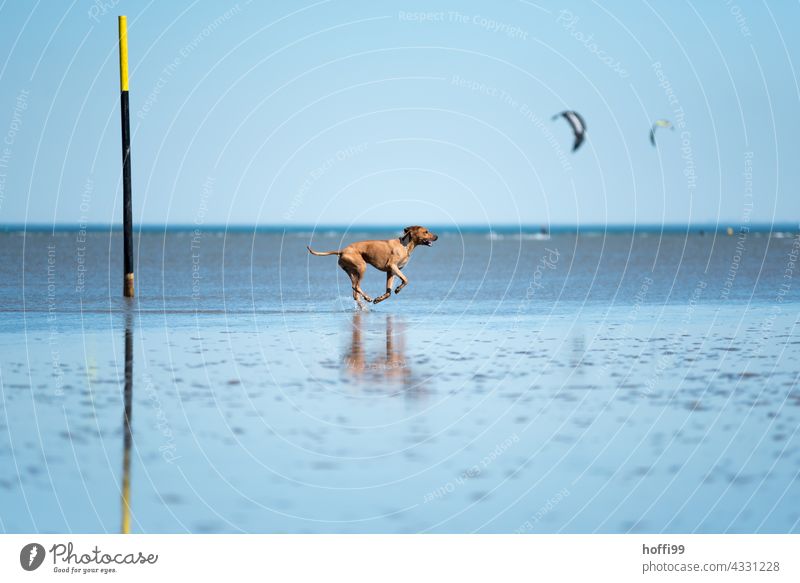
pixel 356 297
pixel 403 278
pixel 356 272
pixel 352 273
pixel 389 284
pixel 361 269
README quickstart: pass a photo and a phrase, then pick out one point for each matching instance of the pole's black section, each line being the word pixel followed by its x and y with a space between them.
pixel 127 206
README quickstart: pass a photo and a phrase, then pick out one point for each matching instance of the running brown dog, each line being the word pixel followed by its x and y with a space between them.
pixel 389 256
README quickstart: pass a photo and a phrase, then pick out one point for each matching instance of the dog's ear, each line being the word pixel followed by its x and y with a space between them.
pixel 407 229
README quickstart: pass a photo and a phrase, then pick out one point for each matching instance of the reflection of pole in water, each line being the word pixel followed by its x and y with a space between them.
pixel 126 427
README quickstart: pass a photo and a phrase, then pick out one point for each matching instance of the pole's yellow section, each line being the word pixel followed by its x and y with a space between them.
pixel 123 53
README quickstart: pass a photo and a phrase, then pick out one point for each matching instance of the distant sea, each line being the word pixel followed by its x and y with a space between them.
pixel 602 379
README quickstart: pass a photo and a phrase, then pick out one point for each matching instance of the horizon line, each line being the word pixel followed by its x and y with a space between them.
pixel 469 227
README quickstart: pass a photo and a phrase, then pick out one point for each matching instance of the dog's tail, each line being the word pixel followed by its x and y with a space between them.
pixel 322 254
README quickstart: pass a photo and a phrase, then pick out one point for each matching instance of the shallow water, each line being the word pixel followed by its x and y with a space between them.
pixel 575 383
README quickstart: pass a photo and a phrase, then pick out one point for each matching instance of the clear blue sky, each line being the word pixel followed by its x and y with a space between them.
pixel 401 112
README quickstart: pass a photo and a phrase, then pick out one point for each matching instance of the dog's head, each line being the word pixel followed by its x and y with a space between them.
pixel 420 235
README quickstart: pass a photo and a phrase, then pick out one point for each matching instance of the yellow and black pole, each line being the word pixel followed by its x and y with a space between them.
pixel 127 206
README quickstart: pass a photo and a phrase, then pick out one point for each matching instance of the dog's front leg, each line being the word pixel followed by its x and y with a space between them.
pixel 403 278
pixel 389 284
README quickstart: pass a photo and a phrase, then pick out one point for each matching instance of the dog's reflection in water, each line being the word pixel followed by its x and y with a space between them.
pixel 387 370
